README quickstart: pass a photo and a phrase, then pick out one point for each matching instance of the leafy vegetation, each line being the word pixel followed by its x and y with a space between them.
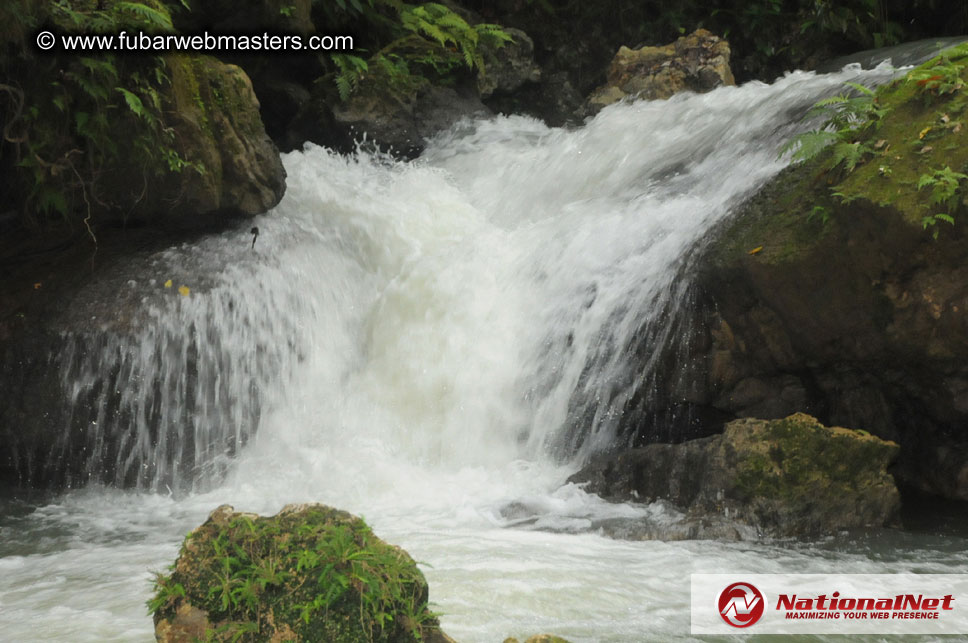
pixel 77 117
pixel 945 187
pixel 767 37
pixel 939 78
pixel 319 572
pixel 846 122
pixel 423 42
pixel 902 146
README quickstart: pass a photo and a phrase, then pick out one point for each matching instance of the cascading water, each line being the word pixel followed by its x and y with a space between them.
pixel 426 344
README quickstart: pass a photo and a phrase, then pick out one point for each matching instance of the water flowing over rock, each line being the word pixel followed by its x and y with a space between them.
pixel 698 62
pixel 309 573
pixel 558 274
pixel 790 477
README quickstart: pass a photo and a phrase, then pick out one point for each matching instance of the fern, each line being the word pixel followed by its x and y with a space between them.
pixel 808 145
pixel 845 118
pixel 945 186
pixel 448 30
pixel 148 16
pixel 134 103
pixel 850 154
pixel 351 70
pixel 943 77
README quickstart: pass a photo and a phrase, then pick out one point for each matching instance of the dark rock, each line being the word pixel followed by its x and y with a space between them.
pixel 553 99
pixel 860 320
pixel 509 66
pixel 282 101
pixel 397 121
pixel 789 477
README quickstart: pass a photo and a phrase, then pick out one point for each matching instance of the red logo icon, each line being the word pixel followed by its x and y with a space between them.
pixel 741 604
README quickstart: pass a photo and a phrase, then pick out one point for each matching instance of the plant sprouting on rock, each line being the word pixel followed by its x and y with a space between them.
pixel 309 573
pixel 846 119
pixel 913 128
pixel 75 111
pixel 945 186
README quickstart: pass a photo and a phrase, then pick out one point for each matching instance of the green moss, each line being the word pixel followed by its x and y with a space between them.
pixel 920 133
pixel 797 459
pixel 317 574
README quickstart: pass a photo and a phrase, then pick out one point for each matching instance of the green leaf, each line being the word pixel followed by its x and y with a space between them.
pixel 149 16
pixel 134 103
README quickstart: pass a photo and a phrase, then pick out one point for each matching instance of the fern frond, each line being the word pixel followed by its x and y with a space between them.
pixel 807 145
pixel 150 17
pixel 864 90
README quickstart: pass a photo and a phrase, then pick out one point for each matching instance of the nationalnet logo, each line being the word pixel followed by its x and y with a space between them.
pixel 830 603
pixel 741 604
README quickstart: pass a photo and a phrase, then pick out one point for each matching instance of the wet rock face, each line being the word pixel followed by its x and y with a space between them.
pixel 862 325
pixel 698 62
pixel 309 573
pixel 791 477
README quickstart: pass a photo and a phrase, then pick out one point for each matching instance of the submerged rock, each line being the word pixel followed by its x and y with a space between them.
pixel 789 477
pixel 309 573
pixel 698 62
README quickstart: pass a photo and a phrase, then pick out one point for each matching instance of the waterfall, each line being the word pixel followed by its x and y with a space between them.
pixel 501 298
pixel 434 345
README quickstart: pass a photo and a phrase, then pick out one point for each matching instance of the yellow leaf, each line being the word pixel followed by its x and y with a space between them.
pixel 183 291
pixel 168 284
pixel 924 132
pixel 756 250
pixel 38 285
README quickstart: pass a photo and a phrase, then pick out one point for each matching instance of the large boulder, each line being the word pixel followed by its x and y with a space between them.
pixel 824 293
pixel 831 293
pixel 697 62
pixel 215 114
pixel 223 166
pixel 309 573
pixel 789 477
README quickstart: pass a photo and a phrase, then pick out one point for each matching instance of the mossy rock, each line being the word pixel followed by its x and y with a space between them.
pixel 215 115
pixel 810 203
pixel 804 477
pixel 791 477
pixel 309 573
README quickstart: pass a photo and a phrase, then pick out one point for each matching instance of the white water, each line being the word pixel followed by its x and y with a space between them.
pixel 422 338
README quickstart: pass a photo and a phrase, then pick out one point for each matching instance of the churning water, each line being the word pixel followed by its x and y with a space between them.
pixel 424 344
